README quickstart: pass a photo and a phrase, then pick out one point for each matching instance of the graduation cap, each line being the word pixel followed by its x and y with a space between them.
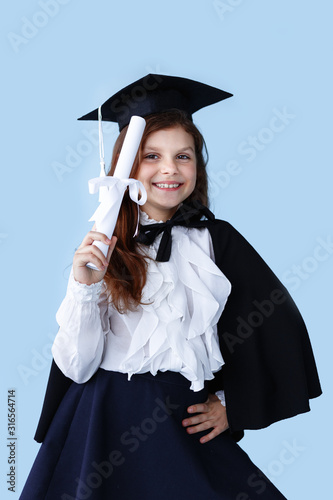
pixel 156 94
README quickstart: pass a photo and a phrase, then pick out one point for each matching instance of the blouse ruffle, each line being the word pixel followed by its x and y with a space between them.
pixel 175 327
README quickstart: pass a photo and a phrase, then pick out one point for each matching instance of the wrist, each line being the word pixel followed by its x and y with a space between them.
pixel 83 292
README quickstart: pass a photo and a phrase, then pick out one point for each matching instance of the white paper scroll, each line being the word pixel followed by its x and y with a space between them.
pixel 112 189
pixel 130 147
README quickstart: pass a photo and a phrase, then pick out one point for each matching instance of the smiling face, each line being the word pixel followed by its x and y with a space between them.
pixel 168 171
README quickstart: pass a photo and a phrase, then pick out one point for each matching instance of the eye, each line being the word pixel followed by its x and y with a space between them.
pixel 150 156
pixel 183 157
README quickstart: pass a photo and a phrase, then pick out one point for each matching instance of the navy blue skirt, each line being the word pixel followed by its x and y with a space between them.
pixel 117 439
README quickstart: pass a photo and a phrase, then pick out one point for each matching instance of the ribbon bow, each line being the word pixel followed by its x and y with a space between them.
pixel 112 196
pixel 188 214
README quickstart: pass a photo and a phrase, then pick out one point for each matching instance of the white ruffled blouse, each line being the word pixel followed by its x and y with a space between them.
pixel 174 329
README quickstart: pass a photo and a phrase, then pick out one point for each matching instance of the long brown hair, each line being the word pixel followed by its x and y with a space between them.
pixel 127 271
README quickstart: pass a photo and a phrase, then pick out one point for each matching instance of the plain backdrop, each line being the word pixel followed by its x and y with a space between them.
pixel 270 171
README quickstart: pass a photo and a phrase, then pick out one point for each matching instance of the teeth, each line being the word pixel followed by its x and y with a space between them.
pixel 162 185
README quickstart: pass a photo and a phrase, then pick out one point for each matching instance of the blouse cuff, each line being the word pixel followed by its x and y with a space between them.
pixel 221 396
pixel 82 292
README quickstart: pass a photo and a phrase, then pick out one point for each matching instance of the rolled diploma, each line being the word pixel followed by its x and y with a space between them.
pixel 130 147
pixel 114 195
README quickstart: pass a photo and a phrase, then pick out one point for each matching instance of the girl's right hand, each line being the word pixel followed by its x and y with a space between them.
pixel 87 252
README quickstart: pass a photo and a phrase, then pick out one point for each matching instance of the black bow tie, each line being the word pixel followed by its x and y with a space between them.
pixel 189 215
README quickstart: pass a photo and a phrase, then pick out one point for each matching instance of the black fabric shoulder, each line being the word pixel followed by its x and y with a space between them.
pixel 269 372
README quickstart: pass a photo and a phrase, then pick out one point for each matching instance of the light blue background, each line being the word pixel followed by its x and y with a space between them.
pixel 271 55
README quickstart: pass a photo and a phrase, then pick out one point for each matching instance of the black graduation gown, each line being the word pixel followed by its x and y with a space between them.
pixel 269 372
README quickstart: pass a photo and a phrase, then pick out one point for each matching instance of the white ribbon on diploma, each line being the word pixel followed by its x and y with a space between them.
pixel 116 189
pixel 106 215
pixel 112 189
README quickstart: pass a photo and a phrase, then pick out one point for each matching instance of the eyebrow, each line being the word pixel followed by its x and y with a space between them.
pixel 154 148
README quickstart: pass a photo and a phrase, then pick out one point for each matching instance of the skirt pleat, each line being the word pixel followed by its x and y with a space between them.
pixel 112 438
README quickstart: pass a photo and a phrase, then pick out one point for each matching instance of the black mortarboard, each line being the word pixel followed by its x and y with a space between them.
pixel 155 94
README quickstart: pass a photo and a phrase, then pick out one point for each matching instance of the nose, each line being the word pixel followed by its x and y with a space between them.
pixel 169 166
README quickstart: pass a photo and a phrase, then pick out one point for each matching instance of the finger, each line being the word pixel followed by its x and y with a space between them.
pixel 200 427
pixel 211 435
pixel 203 417
pixel 82 255
pixel 94 236
pixel 199 408
pixel 89 258
pixel 216 430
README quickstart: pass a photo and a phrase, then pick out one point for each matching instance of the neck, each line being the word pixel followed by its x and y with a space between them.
pixel 159 215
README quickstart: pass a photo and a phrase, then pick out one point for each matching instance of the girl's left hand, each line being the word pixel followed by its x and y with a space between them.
pixel 211 415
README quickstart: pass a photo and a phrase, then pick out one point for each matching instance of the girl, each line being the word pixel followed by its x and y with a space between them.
pixel 181 340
